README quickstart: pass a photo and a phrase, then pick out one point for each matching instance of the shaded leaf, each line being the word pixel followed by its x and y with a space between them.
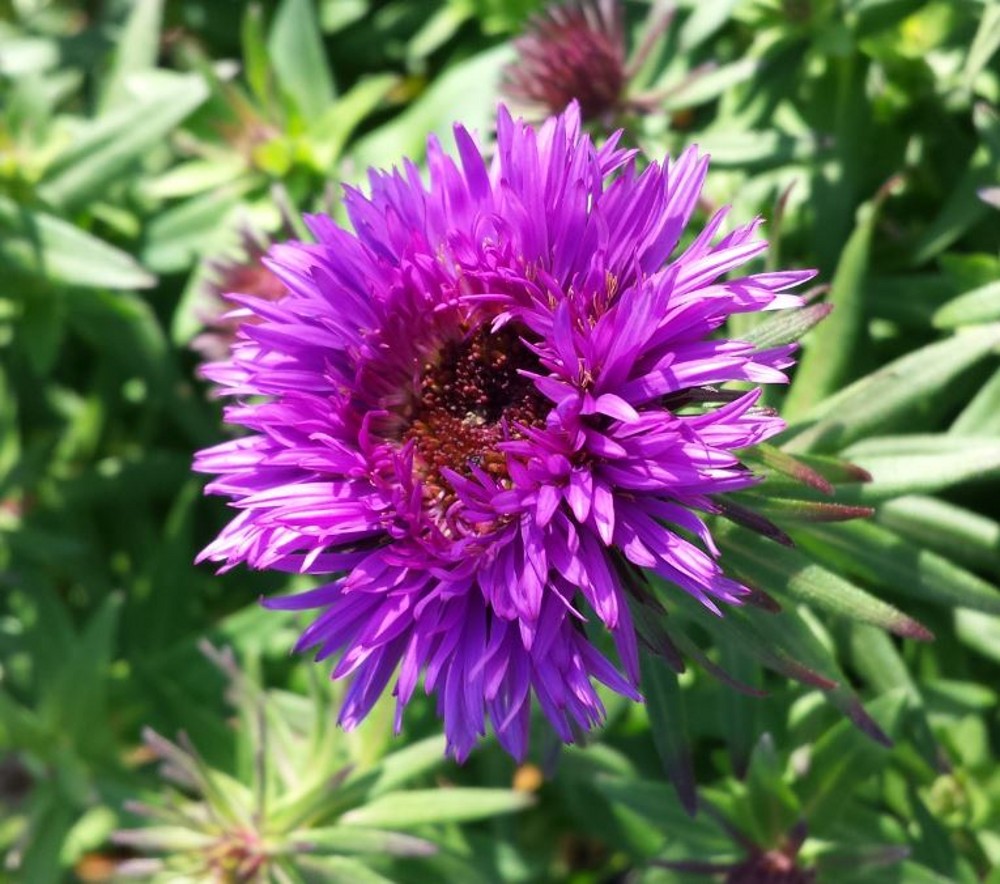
pixel 354 839
pixel 877 554
pixel 841 759
pixel 425 806
pixel 875 400
pixel 52 249
pixel 786 326
pixel 793 576
pixel 830 356
pixel 665 708
pixel 978 306
pixel 296 51
pixel 109 145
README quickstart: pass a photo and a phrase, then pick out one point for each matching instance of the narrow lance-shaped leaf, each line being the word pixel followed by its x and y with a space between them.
pixel 977 306
pixel 959 533
pixel 299 58
pixel 704 86
pixel 59 252
pixel 407 764
pixel 981 417
pixel 136 50
pixel 920 464
pixel 774 807
pixel 842 758
pixel 256 66
pixel 164 838
pixel 333 130
pixel 789 574
pixel 786 326
pixel 741 711
pixel 462 92
pixel 425 806
pixel 984 45
pixel 793 510
pixel 963 207
pixel 790 632
pixel 356 840
pixel 733 629
pixel 667 724
pixel 875 400
pixel 979 631
pixel 828 359
pixel 877 554
pixel 815 471
pixel 655 801
pixel 120 138
pixel 333 870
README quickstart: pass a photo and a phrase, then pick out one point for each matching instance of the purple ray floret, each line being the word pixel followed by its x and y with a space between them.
pixel 476 413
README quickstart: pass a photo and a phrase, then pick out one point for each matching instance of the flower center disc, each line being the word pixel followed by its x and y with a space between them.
pixel 470 400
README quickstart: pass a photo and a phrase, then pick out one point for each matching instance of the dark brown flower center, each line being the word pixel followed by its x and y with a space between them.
pixel 470 399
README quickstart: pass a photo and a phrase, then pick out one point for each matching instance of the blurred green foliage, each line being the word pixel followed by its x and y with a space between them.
pixel 139 137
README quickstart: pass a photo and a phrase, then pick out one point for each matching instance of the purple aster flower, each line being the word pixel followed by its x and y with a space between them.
pixel 488 409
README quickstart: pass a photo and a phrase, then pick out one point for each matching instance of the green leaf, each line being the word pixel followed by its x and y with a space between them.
pixel 886 394
pixel 963 208
pixel 737 629
pixel 875 657
pixel 77 701
pixel 657 803
pixel 401 810
pixel 705 19
pixel 815 471
pixel 841 760
pixel 439 27
pixel 831 354
pixel 463 92
pixel 178 236
pixel 786 326
pixel 170 839
pixel 52 249
pixel 42 326
pixel 984 44
pixel 741 150
pixel 256 67
pixel 952 530
pixel 136 49
pixel 703 87
pixel 298 56
pixel 356 840
pixel 407 764
pixel 667 724
pixel 981 417
pixel 194 177
pixel 789 510
pixel 799 640
pixel 341 870
pixel 108 146
pixel 979 631
pixel 788 574
pixel 333 130
pixel 978 306
pixel 874 553
pixel 919 464
pixel 773 806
